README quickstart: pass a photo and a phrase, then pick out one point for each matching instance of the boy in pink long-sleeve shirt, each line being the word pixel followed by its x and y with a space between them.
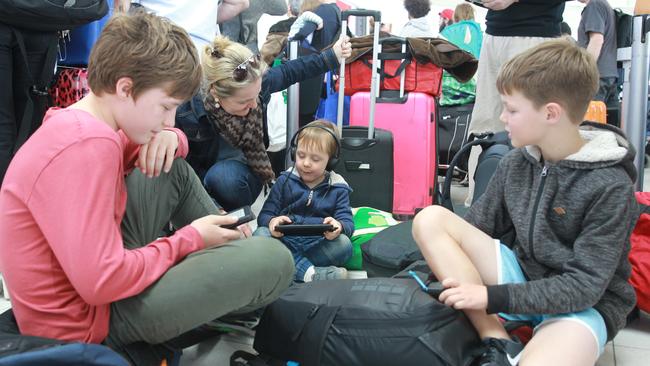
pixel 81 259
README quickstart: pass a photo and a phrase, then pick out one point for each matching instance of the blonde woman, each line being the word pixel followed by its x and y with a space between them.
pixel 226 122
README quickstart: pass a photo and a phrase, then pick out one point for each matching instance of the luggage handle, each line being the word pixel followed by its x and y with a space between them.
pixel 374 81
pixel 376 14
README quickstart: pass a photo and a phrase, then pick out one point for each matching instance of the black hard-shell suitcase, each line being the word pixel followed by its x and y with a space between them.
pixel 366 159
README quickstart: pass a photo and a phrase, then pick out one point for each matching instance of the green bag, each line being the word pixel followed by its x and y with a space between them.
pixel 368 222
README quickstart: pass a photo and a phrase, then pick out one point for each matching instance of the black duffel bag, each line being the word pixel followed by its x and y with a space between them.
pixel 377 321
pixel 51 15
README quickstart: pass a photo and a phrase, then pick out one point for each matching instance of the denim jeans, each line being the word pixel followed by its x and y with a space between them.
pixel 316 251
pixel 232 184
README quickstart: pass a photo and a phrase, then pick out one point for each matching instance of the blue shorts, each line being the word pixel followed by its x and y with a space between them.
pixel 511 272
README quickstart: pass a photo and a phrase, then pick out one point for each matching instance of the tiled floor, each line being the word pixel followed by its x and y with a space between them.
pixel 631 347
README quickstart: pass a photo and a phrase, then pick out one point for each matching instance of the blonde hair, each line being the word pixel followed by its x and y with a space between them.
pixel 463 12
pixel 150 50
pixel 556 71
pixel 309 5
pixel 219 62
pixel 316 139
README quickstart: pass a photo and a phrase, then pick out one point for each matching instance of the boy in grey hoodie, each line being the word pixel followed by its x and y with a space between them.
pixel 566 193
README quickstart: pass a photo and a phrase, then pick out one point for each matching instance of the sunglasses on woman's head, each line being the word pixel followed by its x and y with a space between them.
pixel 240 72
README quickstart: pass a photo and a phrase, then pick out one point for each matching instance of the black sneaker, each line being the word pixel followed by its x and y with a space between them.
pixel 500 352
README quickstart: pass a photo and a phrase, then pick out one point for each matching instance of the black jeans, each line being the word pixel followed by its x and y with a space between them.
pixel 15 85
pixel 608 92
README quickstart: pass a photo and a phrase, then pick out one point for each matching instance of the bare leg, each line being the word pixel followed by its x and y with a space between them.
pixel 559 343
pixel 453 248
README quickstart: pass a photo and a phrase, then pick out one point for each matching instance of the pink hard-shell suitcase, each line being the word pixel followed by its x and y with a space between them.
pixel 414 146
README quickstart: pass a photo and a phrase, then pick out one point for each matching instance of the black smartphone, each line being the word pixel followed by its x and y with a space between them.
pixel 476 2
pixel 243 215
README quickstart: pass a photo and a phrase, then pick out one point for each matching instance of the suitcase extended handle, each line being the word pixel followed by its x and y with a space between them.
pixel 376 14
pixel 374 83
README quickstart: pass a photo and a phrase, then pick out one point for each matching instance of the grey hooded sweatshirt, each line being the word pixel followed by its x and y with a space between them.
pixel 572 221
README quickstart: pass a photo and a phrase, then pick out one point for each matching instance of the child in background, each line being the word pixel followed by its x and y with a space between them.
pixel 567 195
pixel 310 192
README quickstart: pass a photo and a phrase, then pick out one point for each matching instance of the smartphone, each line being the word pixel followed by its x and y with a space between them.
pixel 243 215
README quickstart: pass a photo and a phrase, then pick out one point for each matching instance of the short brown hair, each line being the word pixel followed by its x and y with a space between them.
pixel 555 71
pixel 317 139
pixel 150 50
pixel 417 8
pixel 463 12
pixel 219 62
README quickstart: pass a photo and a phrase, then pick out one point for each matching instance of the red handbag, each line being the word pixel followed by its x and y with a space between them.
pixel 420 77
pixel 71 85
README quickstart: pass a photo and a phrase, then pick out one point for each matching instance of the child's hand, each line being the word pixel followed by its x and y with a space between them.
pixel 214 235
pixel 463 296
pixel 278 220
pixel 157 155
pixel 245 231
pixel 331 235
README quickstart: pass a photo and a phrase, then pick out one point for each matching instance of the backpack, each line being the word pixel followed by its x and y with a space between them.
pixel 624 28
pixel 640 253
pixel 21 350
pixel 377 321
pixel 390 251
pixel 51 15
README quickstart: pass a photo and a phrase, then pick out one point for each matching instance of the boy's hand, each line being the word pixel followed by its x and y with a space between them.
pixel 498 4
pixel 331 235
pixel 463 296
pixel 214 235
pixel 343 47
pixel 157 155
pixel 278 220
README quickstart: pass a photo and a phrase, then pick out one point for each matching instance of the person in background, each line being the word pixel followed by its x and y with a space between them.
pixel 276 39
pixel 318 39
pixel 565 29
pixel 467 35
pixel 243 27
pixel 418 25
pixel 511 27
pixel 597 33
pixel 198 17
pixel 446 18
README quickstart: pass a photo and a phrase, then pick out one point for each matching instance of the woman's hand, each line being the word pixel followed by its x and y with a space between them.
pixel 343 48
pixel 157 155
pixel 463 296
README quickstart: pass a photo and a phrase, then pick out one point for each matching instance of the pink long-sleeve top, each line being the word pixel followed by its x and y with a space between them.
pixel 61 250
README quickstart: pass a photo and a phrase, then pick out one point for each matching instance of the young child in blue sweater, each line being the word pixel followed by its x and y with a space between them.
pixel 310 192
